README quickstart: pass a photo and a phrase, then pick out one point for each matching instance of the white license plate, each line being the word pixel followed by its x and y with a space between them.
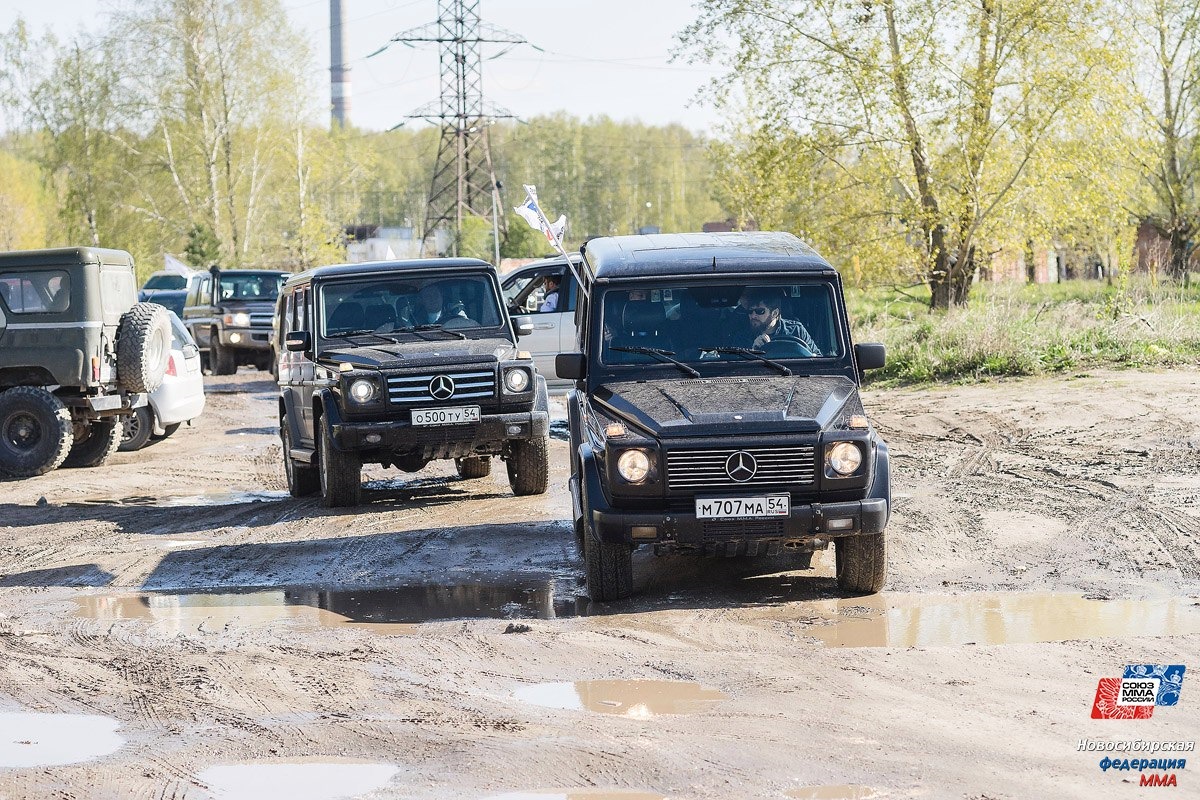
pixel 445 416
pixel 771 505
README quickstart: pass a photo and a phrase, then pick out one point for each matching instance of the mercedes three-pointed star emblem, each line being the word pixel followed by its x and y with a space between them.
pixel 441 387
pixel 741 466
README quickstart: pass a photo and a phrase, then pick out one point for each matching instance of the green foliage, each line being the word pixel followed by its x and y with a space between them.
pixel 1011 330
pixel 202 250
pixel 475 239
pixel 521 240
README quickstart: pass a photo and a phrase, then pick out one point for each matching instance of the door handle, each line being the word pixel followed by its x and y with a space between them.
pixel 546 326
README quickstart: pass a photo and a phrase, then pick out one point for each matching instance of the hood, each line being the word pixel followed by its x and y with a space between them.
pixel 702 407
pixel 415 352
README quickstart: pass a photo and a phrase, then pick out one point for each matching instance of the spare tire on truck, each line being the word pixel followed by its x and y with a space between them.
pixel 143 347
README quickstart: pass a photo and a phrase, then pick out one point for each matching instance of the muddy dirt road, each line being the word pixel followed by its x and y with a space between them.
pixel 175 626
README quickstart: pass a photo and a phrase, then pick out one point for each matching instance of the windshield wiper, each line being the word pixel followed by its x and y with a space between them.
pixel 660 354
pixel 749 353
pixel 430 326
pixel 363 332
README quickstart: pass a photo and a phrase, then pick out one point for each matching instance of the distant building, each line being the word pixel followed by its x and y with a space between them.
pixel 379 243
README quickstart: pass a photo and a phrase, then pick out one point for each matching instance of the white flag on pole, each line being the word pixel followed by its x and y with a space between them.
pixel 173 264
pixel 537 219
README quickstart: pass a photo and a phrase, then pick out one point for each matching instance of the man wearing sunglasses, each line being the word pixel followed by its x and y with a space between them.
pixel 762 305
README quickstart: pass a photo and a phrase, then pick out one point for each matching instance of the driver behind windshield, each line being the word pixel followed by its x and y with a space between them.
pixel 766 323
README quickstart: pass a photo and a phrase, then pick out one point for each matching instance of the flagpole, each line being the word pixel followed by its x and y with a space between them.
pixel 531 194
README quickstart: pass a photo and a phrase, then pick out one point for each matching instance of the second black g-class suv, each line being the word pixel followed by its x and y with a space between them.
pixel 716 408
pixel 400 363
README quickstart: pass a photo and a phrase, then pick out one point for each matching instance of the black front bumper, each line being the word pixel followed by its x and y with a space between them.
pixel 807 523
pixel 248 338
pixel 488 436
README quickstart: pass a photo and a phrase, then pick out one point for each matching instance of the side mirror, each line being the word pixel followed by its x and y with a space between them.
pixel 523 326
pixel 297 341
pixel 571 366
pixel 870 355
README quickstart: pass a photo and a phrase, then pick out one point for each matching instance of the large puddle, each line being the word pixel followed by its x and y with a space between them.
pixel 403 605
pixel 910 620
pixel 296 779
pixel 179 501
pixel 29 739
pixel 636 699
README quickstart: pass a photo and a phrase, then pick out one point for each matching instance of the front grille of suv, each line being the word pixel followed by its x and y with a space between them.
pixel 261 320
pixel 468 385
pixel 699 470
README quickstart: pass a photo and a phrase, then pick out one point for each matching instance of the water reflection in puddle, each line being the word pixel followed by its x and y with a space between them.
pixel 299 779
pixel 576 794
pixel 637 699
pixel 201 499
pixel 845 792
pixel 904 620
pixel 398 606
pixel 43 740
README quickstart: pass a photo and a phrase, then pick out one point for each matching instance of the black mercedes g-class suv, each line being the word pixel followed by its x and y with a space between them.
pixel 400 363
pixel 228 312
pixel 716 408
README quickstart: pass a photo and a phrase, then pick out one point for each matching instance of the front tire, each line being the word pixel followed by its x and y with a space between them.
pixel 341 473
pixel 136 430
pixel 473 467
pixel 104 436
pixel 861 563
pixel 36 433
pixel 302 479
pixel 224 360
pixel 529 466
pixel 609 567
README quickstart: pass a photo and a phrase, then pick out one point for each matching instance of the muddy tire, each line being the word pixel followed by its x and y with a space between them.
pixel 104 437
pixel 136 429
pixel 341 473
pixel 36 433
pixel 302 479
pixel 861 563
pixel 473 467
pixel 609 568
pixel 529 466
pixel 143 347
pixel 221 358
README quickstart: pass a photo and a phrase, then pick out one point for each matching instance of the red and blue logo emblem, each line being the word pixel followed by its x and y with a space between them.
pixel 1139 691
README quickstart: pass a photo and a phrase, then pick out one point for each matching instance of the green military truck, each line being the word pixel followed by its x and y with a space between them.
pixel 77 352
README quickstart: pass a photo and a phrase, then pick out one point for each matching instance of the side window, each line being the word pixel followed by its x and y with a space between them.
pixel 302 318
pixel 205 291
pixel 289 312
pixel 36 292
pixel 543 293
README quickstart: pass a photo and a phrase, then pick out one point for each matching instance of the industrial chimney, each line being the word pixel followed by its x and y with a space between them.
pixel 339 73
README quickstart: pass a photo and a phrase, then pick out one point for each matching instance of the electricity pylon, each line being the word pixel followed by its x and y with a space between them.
pixel 464 180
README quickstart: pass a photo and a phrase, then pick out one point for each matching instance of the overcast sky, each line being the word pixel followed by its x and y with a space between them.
pixel 601 56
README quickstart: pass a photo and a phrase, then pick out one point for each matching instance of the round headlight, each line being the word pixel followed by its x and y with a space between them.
pixel 844 458
pixel 241 319
pixel 362 390
pixel 516 380
pixel 633 465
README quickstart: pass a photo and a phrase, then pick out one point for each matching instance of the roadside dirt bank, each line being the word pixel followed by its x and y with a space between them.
pixel 240 643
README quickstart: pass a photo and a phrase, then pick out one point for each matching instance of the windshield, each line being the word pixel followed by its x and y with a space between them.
pixel 250 287
pixel 714 321
pixel 166 282
pixel 390 303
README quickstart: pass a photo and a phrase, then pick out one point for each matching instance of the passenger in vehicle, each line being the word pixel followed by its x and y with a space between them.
pixel 550 301
pixel 762 307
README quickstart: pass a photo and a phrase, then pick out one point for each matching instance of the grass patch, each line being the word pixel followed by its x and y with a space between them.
pixel 1029 329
